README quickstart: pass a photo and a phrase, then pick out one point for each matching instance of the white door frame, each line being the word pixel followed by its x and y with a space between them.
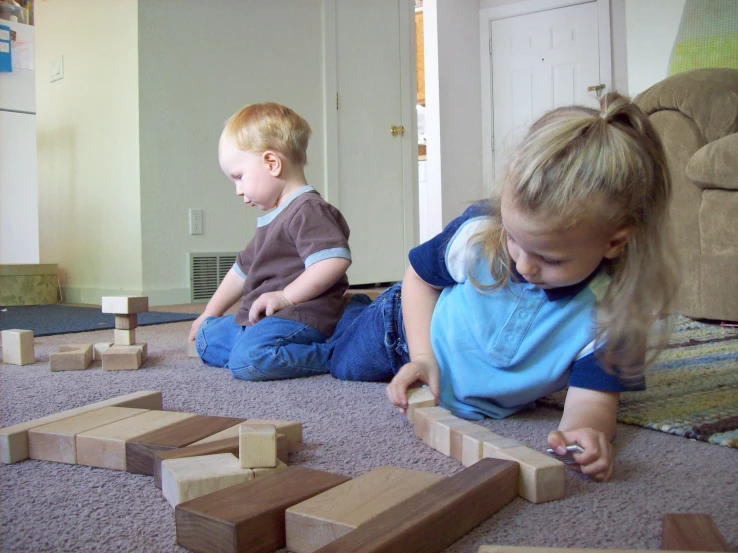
pixel 408 86
pixel 489 14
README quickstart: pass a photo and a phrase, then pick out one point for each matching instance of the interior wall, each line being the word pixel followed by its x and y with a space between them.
pixel 87 138
pixel 192 75
pixel 651 31
pixel 453 103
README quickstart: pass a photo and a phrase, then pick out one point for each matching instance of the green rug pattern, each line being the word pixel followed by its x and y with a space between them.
pixel 692 389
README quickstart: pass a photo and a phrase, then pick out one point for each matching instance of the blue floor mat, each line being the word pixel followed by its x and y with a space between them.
pixel 47 320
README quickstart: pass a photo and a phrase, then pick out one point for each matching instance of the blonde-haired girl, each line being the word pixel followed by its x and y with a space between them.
pixel 556 282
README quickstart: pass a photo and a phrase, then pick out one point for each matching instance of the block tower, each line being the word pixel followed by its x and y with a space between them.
pixel 125 353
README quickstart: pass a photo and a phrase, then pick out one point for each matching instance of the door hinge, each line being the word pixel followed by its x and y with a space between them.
pixel 336 101
pixel 490 45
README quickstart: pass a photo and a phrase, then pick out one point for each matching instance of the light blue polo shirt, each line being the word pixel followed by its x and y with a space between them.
pixel 499 352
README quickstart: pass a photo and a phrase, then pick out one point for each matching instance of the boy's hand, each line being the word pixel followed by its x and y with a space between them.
pixel 598 459
pixel 267 305
pixel 423 368
pixel 196 325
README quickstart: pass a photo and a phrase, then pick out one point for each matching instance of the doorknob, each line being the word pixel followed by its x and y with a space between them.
pixel 395 130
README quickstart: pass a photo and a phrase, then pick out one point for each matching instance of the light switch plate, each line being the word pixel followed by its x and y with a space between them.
pixel 57 68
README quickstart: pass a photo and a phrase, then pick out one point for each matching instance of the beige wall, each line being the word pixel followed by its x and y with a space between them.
pixel 87 132
pixel 198 66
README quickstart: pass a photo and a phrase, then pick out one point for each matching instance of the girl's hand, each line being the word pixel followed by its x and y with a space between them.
pixel 196 325
pixel 423 368
pixel 598 458
pixel 267 305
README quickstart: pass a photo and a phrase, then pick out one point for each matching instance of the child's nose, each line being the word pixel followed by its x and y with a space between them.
pixel 526 265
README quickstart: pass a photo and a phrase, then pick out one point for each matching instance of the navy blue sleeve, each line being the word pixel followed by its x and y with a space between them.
pixel 588 373
pixel 429 258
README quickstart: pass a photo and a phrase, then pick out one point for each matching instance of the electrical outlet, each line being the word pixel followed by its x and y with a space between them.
pixel 195 221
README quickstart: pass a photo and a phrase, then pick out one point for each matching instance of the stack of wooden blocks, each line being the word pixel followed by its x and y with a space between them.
pixel 125 353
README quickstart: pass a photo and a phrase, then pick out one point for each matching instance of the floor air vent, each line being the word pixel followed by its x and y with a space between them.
pixel 206 272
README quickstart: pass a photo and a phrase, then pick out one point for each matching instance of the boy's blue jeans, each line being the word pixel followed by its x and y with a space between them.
pixel 272 349
pixel 369 343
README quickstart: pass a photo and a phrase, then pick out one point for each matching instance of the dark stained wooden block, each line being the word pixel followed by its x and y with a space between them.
pixel 684 532
pixel 140 451
pixel 249 517
pixel 436 517
pixel 228 445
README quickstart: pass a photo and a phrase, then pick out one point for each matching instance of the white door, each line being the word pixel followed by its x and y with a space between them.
pixel 375 181
pixel 541 61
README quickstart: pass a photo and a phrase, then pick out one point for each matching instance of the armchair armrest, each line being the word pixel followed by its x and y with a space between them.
pixel 715 165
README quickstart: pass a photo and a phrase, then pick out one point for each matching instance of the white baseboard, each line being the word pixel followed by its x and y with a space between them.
pixel 164 296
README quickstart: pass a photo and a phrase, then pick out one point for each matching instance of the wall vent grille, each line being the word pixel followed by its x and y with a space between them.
pixel 206 273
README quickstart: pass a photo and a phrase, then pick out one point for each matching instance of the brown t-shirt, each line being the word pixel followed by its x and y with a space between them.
pixel 288 240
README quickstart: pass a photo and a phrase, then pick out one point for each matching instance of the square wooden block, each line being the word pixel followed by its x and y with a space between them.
pixel 126 322
pixel 71 357
pixel 425 423
pixel 258 446
pixel 125 305
pixel 542 478
pixel 124 337
pixel 18 347
pixel 418 398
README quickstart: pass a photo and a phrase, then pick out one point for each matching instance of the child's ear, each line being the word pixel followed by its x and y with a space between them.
pixel 617 243
pixel 273 162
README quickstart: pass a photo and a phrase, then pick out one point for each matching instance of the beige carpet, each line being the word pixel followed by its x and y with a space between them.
pixel 349 429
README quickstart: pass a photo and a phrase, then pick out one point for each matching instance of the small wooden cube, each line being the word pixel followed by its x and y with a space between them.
pixel 418 398
pixel 124 337
pixel 257 446
pixel 18 347
pixel 425 423
pixel 457 438
pixel 192 349
pixel 122 358
pixel 472 446
pixel 71 357
pixel 192 477
pixel 123 305
pixel 444 428
pixel 126 322
pixel 542 478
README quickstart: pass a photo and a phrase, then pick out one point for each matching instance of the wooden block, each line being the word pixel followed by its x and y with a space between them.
pixel 686 532
pixel 418 398
pixel 14 439
pixel 71 357
pixel 192 349
pixel 261 472
pixel 439 515
pixel 105 447
pixel 228 445
pixel 283 448
pixel 500 443
pixel 321 519
pixel 124 337
pixel 258 446
pixel 126 322
pixel 121 358
pixel 542 478
pixel 192 477
pixel 291 429
pixel 140 450
pixel 443 433
pixel 56 441
pixel 18 347
pixel 143 347
pixel 425 423
pixel 517 549
pixel 472 445
pixel 457 436
pixel 122 305
pixel 248 517
pixel 99 349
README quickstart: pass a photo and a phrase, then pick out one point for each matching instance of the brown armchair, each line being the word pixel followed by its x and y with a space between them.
pixel 696 116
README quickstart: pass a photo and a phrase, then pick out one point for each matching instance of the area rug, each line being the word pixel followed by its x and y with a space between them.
pixel 692 389
pixel 47 320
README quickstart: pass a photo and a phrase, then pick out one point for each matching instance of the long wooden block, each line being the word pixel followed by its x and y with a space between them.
pixel 520 549
pixel 318 521
pixel 192 477
pixel 248 517
pixel 291 429
pixel 228 445
pixel 439 515
pixel 140 450
pixel 125 305
pixel 126 322
pixel 14 439
pixel 258 446
pixel 71 357
pixel 105 447
pixel 542 478
pixel 57 441
pixel 425 423
pixel 418 398
pixel 688 532
pixel 261 472
pixel 472 445
pixel 18 347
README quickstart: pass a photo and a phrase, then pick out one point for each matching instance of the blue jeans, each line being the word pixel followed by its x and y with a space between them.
pixel 369 343
pixel 272 349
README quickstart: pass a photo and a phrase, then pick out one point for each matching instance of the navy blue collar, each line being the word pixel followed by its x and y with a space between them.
pixel 565 292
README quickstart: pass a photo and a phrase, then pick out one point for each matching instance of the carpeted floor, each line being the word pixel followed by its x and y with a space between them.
pixel 349 429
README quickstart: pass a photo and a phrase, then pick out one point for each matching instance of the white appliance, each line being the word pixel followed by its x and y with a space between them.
pixel 19 238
